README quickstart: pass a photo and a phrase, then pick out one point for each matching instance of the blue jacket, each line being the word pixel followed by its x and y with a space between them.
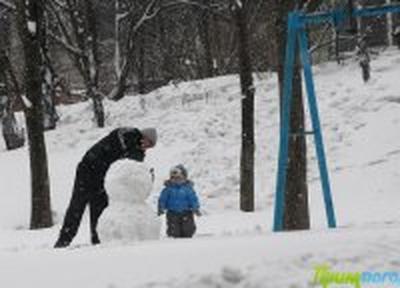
pixel 178 197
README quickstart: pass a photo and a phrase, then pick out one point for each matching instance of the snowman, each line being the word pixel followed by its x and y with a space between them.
pixel 128 217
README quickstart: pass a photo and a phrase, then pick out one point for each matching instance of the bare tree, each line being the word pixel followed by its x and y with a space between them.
pixel 131 21
pixel 13 134
pixel 77 34
pixel 76 23
pixel 48 74
pixel 30 21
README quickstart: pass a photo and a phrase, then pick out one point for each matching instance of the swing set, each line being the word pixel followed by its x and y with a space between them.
pixel 297 34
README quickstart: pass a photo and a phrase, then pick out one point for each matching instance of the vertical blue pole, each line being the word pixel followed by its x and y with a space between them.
pixel 319 144
pixel 285 122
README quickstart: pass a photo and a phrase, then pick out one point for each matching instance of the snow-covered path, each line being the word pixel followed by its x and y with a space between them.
pixel 272 260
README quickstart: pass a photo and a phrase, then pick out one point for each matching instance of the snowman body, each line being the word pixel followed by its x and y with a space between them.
pixel 128 217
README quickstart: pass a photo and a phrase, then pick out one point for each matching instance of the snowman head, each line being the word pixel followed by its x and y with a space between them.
pixel 129 182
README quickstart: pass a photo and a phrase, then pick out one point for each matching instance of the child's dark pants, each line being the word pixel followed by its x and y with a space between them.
pixel 180 224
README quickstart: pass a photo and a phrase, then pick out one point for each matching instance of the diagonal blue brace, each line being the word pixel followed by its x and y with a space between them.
pixel 319 143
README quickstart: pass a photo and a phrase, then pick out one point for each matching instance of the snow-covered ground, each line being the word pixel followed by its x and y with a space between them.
pixel 199 125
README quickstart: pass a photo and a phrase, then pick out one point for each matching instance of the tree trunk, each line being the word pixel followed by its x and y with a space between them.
pixel 50 116
pixel 13 134
pixel 93 63
pixel 117 52
pixel 296 215
pixel 30 18
pixel 389 23
pixel 248 91
pixel 98 106
pixel 205 39
pixel 141 62
pixel 166 61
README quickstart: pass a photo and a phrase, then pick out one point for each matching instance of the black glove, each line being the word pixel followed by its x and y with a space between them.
pixel 197 212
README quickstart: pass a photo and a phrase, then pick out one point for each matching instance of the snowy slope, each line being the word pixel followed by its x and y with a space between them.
pixel 199 125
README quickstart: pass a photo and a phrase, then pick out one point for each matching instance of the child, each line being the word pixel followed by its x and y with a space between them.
pixel 180 201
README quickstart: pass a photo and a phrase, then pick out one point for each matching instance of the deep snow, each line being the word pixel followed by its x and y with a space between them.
pixel 199 125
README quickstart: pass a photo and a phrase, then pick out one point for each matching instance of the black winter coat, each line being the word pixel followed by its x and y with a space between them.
pixel 119 144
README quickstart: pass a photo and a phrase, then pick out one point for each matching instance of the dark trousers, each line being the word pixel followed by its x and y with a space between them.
pixel 180 225
pixel 82 195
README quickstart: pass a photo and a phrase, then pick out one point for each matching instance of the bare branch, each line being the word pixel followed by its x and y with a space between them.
pixel 3 12
pixel 60 4
pixel 217 10
pixel 312 6
pixel 60 22
pixel 7 4
pixel 70 48
pixel 122 16
pixel 185 2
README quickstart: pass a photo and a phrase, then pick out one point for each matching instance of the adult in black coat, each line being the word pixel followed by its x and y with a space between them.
pixel 121 143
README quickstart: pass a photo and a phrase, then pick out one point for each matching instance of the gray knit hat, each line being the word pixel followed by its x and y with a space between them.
pixel 151 134
pixel 182 169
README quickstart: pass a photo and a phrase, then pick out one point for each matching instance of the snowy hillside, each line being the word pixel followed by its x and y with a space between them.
pixel 199 125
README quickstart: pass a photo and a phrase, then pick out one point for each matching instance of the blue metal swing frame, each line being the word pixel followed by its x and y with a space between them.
pixel 297 23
